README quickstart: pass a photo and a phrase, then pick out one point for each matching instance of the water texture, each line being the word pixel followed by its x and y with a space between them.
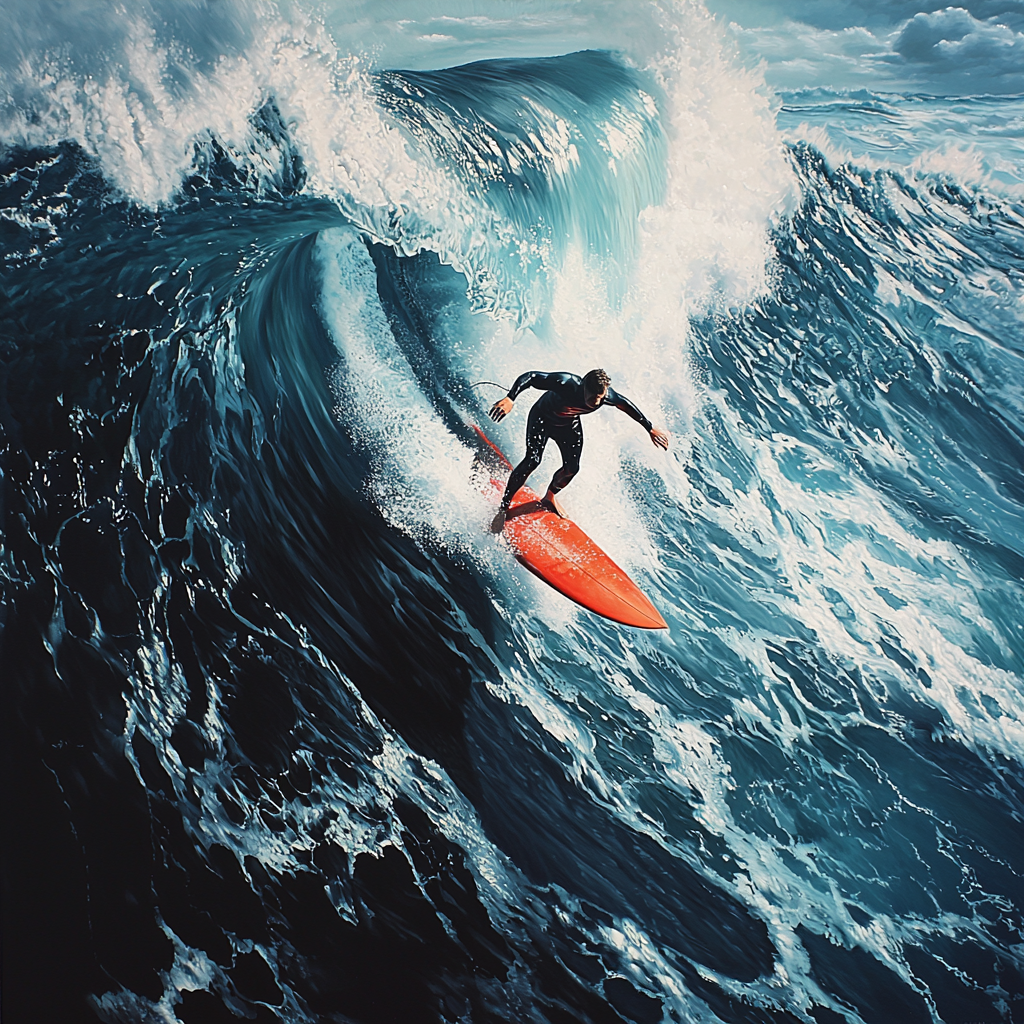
pixel 289 736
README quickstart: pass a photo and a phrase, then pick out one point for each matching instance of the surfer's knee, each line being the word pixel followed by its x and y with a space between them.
pixel 529 464
pixel 562 478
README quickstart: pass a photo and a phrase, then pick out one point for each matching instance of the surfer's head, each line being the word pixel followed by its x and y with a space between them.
pixel 595 387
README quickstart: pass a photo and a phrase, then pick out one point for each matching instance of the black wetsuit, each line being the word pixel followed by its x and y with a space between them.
pixel 556 416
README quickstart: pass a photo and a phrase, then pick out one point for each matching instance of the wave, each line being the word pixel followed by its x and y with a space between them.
pixel 304 742
pixel 968 141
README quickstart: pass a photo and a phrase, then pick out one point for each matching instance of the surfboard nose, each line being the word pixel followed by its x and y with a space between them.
pixel 650 616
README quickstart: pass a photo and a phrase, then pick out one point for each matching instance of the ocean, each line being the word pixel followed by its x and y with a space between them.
pixel 289 734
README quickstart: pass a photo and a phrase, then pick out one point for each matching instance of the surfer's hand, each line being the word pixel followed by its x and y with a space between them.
pixel 501 409
pixel 659 437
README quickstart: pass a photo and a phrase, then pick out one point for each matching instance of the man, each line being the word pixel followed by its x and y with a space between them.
pixel 556 416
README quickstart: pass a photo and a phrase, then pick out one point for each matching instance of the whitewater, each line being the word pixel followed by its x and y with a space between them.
pixel 290 736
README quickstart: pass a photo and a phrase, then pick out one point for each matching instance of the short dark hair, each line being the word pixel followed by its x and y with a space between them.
pixel 596 380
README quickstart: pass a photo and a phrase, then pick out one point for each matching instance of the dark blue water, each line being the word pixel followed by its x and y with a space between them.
pixel 290 737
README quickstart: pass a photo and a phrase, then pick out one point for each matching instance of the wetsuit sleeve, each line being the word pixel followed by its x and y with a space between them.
pixel 536 379
pixel 623 403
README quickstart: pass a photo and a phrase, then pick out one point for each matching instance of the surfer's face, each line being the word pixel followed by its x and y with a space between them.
pixel 595 398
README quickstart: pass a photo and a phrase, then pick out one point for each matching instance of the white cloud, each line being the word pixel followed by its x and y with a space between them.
pixel 945 51
pixel 954 42
pixel 799 55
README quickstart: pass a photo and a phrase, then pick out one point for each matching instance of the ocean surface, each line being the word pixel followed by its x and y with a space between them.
pixel 290 737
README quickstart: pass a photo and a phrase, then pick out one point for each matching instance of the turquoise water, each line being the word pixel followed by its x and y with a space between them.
pixel 294 737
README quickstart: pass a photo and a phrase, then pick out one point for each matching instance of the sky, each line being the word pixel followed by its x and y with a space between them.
pixel 882 45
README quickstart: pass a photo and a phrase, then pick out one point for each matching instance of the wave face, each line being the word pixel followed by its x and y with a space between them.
pixel 290 737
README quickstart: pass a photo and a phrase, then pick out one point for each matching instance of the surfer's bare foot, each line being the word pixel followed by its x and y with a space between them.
pixel 498 522
pixel 549 502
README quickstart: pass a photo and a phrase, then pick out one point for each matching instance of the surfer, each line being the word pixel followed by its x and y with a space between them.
pixel 556 417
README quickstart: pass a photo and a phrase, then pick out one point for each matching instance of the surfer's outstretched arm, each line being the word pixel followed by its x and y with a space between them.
pixel 658 437
pixel 531 379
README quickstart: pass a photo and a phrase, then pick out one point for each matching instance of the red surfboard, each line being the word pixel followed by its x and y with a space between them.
pixel 564 557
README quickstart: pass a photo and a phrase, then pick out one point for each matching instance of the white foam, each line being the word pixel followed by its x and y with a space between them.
pixel 422 475
pixel 142 108
pixel 975 148
pixel 728 177
pixel 859 548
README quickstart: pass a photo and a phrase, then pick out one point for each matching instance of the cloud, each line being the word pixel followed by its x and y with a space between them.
pixel 886 14
pixel 1005 12
pixel 969 49
pixel 956 41
pixel 798 55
